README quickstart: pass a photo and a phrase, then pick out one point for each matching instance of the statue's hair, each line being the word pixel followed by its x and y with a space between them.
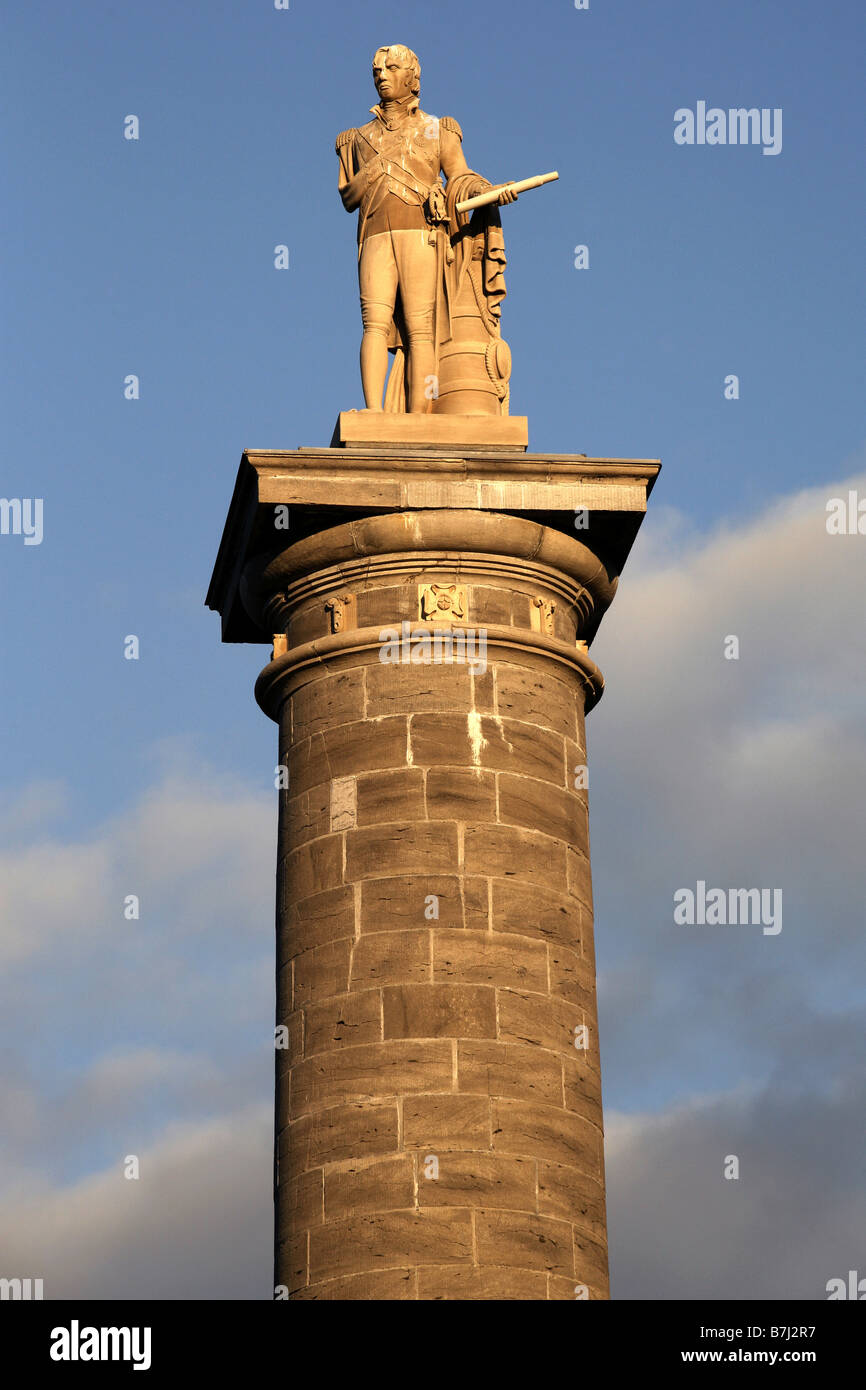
pixel 407 58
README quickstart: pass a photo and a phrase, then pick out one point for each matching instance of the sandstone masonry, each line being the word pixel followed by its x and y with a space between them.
pixel 438 1090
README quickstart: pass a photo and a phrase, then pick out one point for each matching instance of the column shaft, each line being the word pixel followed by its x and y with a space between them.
pixel 438 1114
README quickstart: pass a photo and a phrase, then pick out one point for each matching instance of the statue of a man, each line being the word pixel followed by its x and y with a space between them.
pixel 407 228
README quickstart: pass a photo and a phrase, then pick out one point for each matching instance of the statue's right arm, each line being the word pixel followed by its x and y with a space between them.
pixel 351 185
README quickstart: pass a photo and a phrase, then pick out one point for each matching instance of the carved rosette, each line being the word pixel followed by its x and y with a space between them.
pixel 442 601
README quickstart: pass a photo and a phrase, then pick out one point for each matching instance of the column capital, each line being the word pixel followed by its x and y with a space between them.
pixel 429 499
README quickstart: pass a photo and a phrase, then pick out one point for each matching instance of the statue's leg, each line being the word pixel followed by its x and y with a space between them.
pixel 416 265
pixel 377 276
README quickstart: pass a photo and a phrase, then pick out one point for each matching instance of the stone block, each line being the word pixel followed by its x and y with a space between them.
pixel 442 1122
pixel 538 806
pixel 541 1019
pixel 572 1196
pixel 479 1180
pixel 393 796
pixel 393 957
pixel 314 867
pixel 345 1021
pixel 536 698
pixel 400 849
pixel 375 1285
pixel 337 698
pixel 530 910
pixel 337 1133
pixel 399 1238
pixel 391 903
pixel 512 1070
pixel 317 920
pixel 512 746
pixel 300 1205
pixel 439 1011
pixel 397 689
pixel 489 958
pixel 372 1071
pixel 384 1184
pixel 446 1283
pixel 572 977
pixel 292 1262
pixel 346 750
pixel 546 1133
pixel 321 972
pixel 459 794
pixel 529 1242
pixel 504 851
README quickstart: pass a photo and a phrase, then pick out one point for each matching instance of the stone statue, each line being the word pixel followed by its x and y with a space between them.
pixel 430 273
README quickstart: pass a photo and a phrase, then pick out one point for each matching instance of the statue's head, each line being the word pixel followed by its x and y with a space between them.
pixel 396 72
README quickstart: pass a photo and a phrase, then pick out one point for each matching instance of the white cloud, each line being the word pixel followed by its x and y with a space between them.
pixel 193 849
pixel 791 1221
pixel 702 767
pixel 38 803
pixel 197 1223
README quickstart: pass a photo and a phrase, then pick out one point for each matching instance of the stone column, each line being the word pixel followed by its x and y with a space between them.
pixel 438 1096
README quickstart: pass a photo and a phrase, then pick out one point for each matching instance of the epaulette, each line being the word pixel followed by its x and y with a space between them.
pixel 449 123
pixel 345 137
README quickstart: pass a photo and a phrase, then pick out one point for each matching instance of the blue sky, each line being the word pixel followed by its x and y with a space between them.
pixel 155 257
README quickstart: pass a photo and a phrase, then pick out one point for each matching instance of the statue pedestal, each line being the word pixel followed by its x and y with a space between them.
pixel 438 1090
pixel 367 429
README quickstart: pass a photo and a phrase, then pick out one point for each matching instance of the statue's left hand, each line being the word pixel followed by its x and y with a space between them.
pixel 506 195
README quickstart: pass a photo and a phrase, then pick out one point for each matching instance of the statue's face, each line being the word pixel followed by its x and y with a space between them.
pixel 392 81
